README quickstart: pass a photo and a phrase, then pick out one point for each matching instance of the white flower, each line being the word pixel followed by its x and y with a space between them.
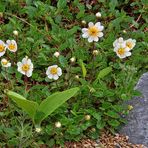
pixel 77 77
pixel 25 67
pixel 130 43
pixel 93 32
pixel 15 32
pixel 98 14
pixel 58 124
pixel 72 60
pixel 11 45
pixel 122 51
pixel 5 63
pixel 118 41
pixel 53 72
pixel 2 48
pixel 56 54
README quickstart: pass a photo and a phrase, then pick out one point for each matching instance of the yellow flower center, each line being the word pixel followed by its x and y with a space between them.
pixel 4 62
pixel 2 48
pixel 53 70
pixel 93 31
pixel 11 46
pixel 129 44
pixel 121 51
pixel 25 67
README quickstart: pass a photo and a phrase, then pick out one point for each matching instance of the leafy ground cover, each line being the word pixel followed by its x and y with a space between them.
pixel 59 33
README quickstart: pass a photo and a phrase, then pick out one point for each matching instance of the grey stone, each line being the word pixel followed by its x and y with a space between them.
pixel 137 125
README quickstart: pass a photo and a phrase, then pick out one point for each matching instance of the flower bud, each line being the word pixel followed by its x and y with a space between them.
pixel 38 129
pixel 95 52
pixel 130 107
pixel 56 54
pixel 73 59
pixel 58 124
pixel 83 22
pixel 93 129
pixel 124 31
pixel 15 32
pixel 77 77
pixel 98 14
pixel 87 117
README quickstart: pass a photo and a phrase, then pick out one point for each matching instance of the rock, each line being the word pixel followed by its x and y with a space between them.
pixel 137 126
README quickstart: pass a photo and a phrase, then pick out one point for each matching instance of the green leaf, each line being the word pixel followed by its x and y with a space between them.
pixel 104 72
pixel 114 123
pixel 28 106
pixel 52 103
pixel 112 114
pixel 61 4
pixel 84 72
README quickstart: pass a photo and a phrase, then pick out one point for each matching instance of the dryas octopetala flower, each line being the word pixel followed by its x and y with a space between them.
pixel 53 72
pixel 56 54
pixel 98 14
pixel 122 50
pixel 25 67
pixel 93 32
pixel 118 41
pixel 11 45
pixel 130 43
pixel 2 48
pixel 5 63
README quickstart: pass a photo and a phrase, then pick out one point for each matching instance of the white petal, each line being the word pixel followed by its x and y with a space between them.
pixel 2 53
pixel 24 60
pixel 8 41
pixel 96 39
pixel 128 54
pixel 29 73
pixel 90 39
pixel 85 35
pixel 100 34
pixel 98 24
pixel 90 24
pixel 59 71
pixel 84 30
pixel 101 28
pixel 50 76
pixel 55 77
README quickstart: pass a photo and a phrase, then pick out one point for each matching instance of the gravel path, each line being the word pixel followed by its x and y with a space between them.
pixel 137 126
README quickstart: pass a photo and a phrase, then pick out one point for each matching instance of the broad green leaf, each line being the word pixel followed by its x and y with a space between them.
pixel 112 114
pixel 29 106
pixel 61 4
pixel 114 123
pixel 104 72
pixel 52 102
pixel 83 68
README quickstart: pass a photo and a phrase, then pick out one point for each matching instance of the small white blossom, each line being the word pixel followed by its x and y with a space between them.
pixel 93 32
pixel 2 48
pixel 130 43
pixel 11 45
pixel 124 31
pixel 73 59
pixel 98 14
pixel 122 51
pixel 5 63
pixel 118 42
pixel 15 32
pixel 56 54
pixel 58 124
pixel 25 67
pixel 53 72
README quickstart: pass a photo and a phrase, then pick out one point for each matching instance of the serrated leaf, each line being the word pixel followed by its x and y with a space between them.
pixel 114 123
pixel 112 114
